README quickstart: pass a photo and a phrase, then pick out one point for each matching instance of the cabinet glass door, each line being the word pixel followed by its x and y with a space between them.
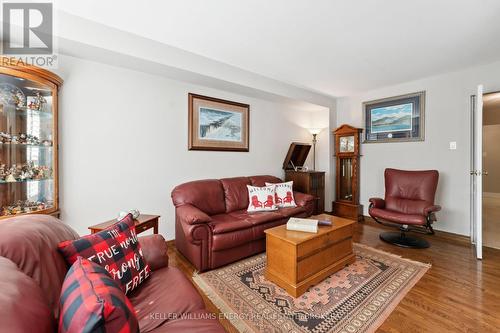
pixel 27 158
pixel 345 179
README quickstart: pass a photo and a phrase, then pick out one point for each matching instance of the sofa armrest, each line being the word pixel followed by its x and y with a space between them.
pixel 189 214
pixel 431 209
pixel 302 199
pixel 377 203
pixel 154 249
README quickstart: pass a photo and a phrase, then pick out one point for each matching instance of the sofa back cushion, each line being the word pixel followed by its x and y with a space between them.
pixel 206 195
pixel 235 193
pixel 30 241
pixel 23 306
pixel 262 180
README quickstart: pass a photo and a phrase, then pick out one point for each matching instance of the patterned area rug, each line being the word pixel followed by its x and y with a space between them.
pixel 356 299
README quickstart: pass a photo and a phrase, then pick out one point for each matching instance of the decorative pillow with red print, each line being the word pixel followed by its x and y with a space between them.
pixel 91 301
pixel 261 199
pixel 283 194
pixel 115 248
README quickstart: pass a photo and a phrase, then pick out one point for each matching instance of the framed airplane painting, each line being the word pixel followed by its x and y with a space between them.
pixel 217 124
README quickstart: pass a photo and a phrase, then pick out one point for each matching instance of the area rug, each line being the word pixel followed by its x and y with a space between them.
pixel 356 299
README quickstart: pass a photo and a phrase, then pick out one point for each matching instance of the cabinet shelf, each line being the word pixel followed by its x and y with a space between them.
pixel 24 112
pixel 25 181
pixel 16 145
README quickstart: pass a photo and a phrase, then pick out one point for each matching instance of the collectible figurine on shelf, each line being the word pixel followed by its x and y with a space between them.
pixel 22 138
pixel 21 206
pixel 10 179
pixel 38 102
pixel 18 97
pixel 26 171
pixel 33 140
pixel 5 137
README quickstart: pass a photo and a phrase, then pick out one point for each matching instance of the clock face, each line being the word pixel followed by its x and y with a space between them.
pixel 347 144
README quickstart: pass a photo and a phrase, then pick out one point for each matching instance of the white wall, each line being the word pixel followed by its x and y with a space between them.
pixel 447 118
pixel 123 142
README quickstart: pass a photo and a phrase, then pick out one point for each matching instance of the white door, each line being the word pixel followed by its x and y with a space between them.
pixel 477 173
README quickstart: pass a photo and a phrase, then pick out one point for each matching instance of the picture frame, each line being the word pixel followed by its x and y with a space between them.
pixel 217 124
pixel 395 119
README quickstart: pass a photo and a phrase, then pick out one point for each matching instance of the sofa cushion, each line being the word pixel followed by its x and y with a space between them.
pixel 91 301
pixel 24 307
pixel 258 229
pixel 165 296
pixel 235 193
pixel 261 180
pixel 116 248
pixel 231 239
pixel 223 223
pixel 30 241
pixel 258 218
pixel 292 211
pixel 206 195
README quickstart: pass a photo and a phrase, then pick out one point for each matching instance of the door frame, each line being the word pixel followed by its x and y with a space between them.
pixel 473 151
pixel 476 171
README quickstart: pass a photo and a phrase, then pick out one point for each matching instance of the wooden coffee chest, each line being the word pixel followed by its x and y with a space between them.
pixel 298 260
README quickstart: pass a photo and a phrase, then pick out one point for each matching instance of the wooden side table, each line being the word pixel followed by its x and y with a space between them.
pixel 143 223
pixel 309 182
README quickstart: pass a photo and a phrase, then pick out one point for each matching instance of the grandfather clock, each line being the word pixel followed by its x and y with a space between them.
pixel 347 173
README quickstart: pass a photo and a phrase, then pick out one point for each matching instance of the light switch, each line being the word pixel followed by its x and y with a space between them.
pixel 453 145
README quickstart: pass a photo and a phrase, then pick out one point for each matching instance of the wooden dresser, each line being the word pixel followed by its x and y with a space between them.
pixel 310 182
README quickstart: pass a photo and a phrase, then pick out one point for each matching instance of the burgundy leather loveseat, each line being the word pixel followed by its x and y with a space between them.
pixel 32 273
pixel 212 226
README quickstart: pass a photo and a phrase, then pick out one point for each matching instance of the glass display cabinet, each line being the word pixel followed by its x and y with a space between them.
pixel 28 140
pixel 347 140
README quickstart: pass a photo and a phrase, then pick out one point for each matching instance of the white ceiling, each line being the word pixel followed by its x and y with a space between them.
pixel 329 46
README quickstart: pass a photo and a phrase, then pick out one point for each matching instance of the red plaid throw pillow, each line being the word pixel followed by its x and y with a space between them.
pixel 91 301
pixel 116 248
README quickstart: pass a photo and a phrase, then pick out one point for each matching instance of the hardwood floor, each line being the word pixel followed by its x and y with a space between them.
pixel 458 293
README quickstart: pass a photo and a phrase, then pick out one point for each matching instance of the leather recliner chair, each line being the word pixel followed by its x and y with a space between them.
pixel 408 205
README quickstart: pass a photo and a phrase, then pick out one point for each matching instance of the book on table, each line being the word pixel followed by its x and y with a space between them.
pixel 306 225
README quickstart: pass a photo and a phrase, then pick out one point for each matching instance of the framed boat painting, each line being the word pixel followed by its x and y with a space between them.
pixel 395 119
pixel 217 124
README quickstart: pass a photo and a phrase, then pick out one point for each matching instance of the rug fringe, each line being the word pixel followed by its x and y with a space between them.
pixel 428 265
pixel 238 323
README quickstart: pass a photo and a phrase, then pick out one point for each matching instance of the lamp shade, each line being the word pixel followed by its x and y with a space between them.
pixel 315 130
